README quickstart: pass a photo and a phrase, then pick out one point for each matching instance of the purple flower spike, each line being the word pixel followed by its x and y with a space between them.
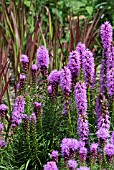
pixel 74 65
pixel 83 168
pixel 93 147
pixel 109 151
pixel 106 34
pixel 37 109
pixel 34 67
pixel 80 97
pixel 50 166
pixel 65 80
pixel 42 57
pixel 72 164
pixel 88 67
pixel 24 58
pixel 54 156
pixel 80 48
pixel 2 143
pixel 49 89
pixel 82 154
pixel 103 135
pixel 3 110
pixel 54 76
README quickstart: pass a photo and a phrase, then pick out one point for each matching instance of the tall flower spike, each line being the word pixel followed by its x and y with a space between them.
pixel 72 164
pixel 93 152
pixel 88 67
pixel 109 151
pixel 65 81
pixel 53 79
pixel 54 156
pixel 106 34
pixel 74 65
pixel 22 80
pixel 80 97
pixel 50 165
pixel 110 82
pixel 42 58
pixel 3 110
pixel 82 155
pixel 25 62
pixel 34 71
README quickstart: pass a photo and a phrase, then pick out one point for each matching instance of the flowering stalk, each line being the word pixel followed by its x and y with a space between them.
pixel 65 83
pixel 93 153
pixel 82 155
pixel 26 127
pixel 54 156
pixel 22 80
pixel 42 58
pixel 53 82
pixel 74 65
pixel 25 63
pixel 34 73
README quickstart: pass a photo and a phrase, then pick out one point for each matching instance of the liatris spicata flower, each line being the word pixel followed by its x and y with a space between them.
pixel 3 110
pixel 83 129
pixel 106 37
pixel 2 143
pixel 80 48
pixel 83 168
pixel 1 127
pixel 72 164
pixel 54 156
pixel 88 67
pixel 50 166
pixel 82 155
pixel 109 151
pixel 25 62
pixel 106 34
pixel 22 79
pixel 53 79
pixel 34 71
pixel 103 135
pixel 93 152
pixel 103 118
pixel 17 111
pixel 19 104
pixel 69 147
pixel 42 58
pixel 26 121
pixel 74 65
pixel 110 82
pixel 80 97
pixel 38 109
pixel 65 108
pixel 65 81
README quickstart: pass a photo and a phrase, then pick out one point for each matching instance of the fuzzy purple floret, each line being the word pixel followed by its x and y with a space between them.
pixel 68 146
pixel 74 63
pixel 109 149
pixel 50 166
pixel 88 67
pixel 54 76
pixel 83 151
pixel 65 80
pixel 34 67
pixel 80 48
pixel 80 97
pixel 2 143
pixel 22 77
pixel 24 58
pixel 72 164
pixel 3 107
pixel 103 134
pixel 104 122
pixel 106 34
pixel 83 168
pixel 54 154
pixel 93 147
pixel 42 57
pixel 37 104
